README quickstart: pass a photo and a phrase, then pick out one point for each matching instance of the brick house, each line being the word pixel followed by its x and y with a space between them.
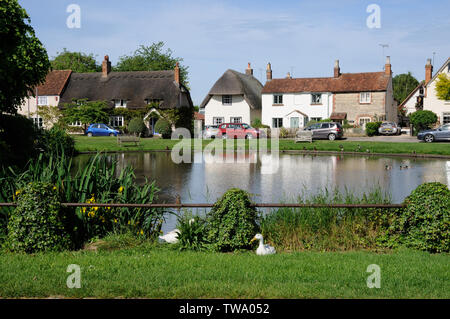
pixel 356 97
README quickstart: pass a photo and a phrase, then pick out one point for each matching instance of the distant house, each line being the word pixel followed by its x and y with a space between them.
pixel 234 98
pixel 356 97
pixel 46 94
pixel 132 90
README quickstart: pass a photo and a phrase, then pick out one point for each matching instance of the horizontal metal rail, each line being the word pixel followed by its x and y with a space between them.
pixel 207 205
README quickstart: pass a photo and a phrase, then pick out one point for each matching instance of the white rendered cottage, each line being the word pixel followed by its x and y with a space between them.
pixel 234 98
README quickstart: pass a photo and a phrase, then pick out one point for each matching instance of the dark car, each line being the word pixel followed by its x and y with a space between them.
pixel 389 128
pixel 238 130
pixel 98 129
pixel 326 130
pixel 441 133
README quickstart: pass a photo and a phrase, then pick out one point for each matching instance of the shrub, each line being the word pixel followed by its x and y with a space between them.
pixel 284 132
pixel 36 224
pixel 231 223
pixel 424 224
pixel 164 128
pixel 372 128
pixel 422 120
pixel 137 126
pixel 56 141
pixel 192 232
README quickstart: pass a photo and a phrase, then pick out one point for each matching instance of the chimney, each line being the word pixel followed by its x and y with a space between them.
pixel 288 76
pixel 177 73
pixel 428 71
pixel 337 69
pixel 269 72
pixel 249 71
pixel 106 67
pixel 387 66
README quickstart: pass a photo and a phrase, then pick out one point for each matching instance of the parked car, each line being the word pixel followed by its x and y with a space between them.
pixel 326 130
pixel 211 131
pixel 389 128
pixel 98 129
pixel 239 130
pixel 441 133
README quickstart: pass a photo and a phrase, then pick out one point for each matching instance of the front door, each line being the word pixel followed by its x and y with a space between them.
pixel 295 122
pixel 152 125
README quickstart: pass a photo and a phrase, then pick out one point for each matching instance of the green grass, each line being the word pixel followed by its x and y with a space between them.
pixel 161 272
pixel 92 144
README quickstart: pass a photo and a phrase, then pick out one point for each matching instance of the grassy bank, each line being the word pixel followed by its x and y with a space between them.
pixel 161 272
pixel 92 144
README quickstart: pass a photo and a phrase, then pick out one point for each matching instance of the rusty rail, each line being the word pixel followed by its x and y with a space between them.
pixel 208 205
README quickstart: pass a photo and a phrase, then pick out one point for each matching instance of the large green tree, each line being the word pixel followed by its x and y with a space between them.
pixel 75 61
pixel 87 112
pixel 443 87
pixel 23 59
pixel 403 84
pixel 152 58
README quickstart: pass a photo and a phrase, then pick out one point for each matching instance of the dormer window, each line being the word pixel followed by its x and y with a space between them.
pixel 120 103
pixel 153 101
pixel 227 100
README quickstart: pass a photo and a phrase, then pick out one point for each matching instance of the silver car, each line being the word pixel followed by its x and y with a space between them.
pixel 389 128
pixel 211 131
pixel 442 133
pixel 326 130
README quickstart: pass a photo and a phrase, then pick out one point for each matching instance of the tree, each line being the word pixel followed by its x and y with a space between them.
pixel 86 112
pixel 443 87
pixel 75 61
pixel 402 85
pixel 23 60
pixel 50 115
pixel 151 58
pixel 422 120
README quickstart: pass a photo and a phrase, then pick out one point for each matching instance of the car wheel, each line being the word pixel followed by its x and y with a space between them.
pixel 429 138
pixel 89 134
pixel 331 137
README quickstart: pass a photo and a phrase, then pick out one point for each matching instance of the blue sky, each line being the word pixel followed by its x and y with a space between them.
pixel 302 37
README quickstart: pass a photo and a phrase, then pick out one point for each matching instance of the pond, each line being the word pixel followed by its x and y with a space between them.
pixel 296 174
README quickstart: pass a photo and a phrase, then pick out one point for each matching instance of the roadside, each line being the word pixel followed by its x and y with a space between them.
pixel 384 138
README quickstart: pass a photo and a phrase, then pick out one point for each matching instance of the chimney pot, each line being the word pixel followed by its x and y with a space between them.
pixel 269 72
pixel 428 71
pixel 177 73
pixel 288 76
pixel 249 70
pixel 337 69
pixel 387 67
pixel 106 66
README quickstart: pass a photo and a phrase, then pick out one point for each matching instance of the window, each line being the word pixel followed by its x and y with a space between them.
pixel 42 100
pixel 153 101
pixel 364 97
pixel 120 103
pixel 277 122
pixel 325 125
pixel 236 119
pixel 116 121
pixel 37 120
pixel 227 100
pixel 364 120
pixel 277 99
pixel 317 119
pixel 446 118
pixel 217 120
pixel 76 123
pixel 316 98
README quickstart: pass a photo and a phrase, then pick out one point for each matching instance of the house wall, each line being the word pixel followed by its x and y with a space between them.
pixel 391 104
pixel 410 105
pixel 431 101
pixel 29 106
pixel 238 108
pixel 349 103
pixel 295 102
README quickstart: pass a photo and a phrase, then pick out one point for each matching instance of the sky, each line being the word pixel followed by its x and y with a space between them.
pixel 303 37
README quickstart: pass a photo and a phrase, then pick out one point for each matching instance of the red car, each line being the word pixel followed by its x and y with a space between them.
pixel 238 130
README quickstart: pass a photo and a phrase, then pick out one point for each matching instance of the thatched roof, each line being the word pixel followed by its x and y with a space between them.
pixel 235 83
pixel 136 87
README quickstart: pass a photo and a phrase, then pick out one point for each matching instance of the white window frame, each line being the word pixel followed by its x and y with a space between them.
pixel 120 103
pixel 444 116
pixel 317 119
pixel 276 121
pixel 278 99
pixel 365 97
pixel 76 123
pixel 236 119
pixel 218 120
pixel 318 100
pixel 42 100
pixel 227 99
pixel 37 120
pixel 363 123
pixel 116 120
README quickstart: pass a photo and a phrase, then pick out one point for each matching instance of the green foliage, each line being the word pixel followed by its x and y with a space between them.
pixel 402 85
pixel 443 87
pixel 51 115
pixel 24 61
pixel 87 112
pixel 192 234
pixel 137 126
pixel 75 61
pixel 423 119
pixel 36 224
pixel 179 117
pixel 163 127
pixel 424 224
pixel 310 122
pixel 56 141
pixel 372 128
pixel 232 222
pixel 284 132
pixel 152 58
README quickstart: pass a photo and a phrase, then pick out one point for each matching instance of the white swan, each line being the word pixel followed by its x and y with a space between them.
pixel 172 236
pixel 263 249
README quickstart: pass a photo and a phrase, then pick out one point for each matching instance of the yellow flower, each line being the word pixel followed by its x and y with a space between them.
pixel 120 189
pixel 142 232
pixel 17 192
pixel 115 220
pixel 54 188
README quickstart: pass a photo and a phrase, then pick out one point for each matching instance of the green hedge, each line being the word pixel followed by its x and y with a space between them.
pixel 164 128
pixel 372 128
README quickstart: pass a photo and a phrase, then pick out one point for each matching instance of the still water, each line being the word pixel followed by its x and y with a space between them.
pixel 296 174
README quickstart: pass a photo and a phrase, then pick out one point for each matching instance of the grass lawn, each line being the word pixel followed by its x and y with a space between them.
pixel 86 144
pixel 161 272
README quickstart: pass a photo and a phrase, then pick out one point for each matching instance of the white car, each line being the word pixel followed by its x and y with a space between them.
pixel 211 131
pixel 389 128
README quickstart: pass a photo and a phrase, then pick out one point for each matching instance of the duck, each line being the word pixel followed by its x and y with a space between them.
pixel 263 249
pixel 387 167
pixel 403 166
pixel 172 236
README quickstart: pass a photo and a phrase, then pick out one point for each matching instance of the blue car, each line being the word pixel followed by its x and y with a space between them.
pixel 442 133
pixel 101 130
